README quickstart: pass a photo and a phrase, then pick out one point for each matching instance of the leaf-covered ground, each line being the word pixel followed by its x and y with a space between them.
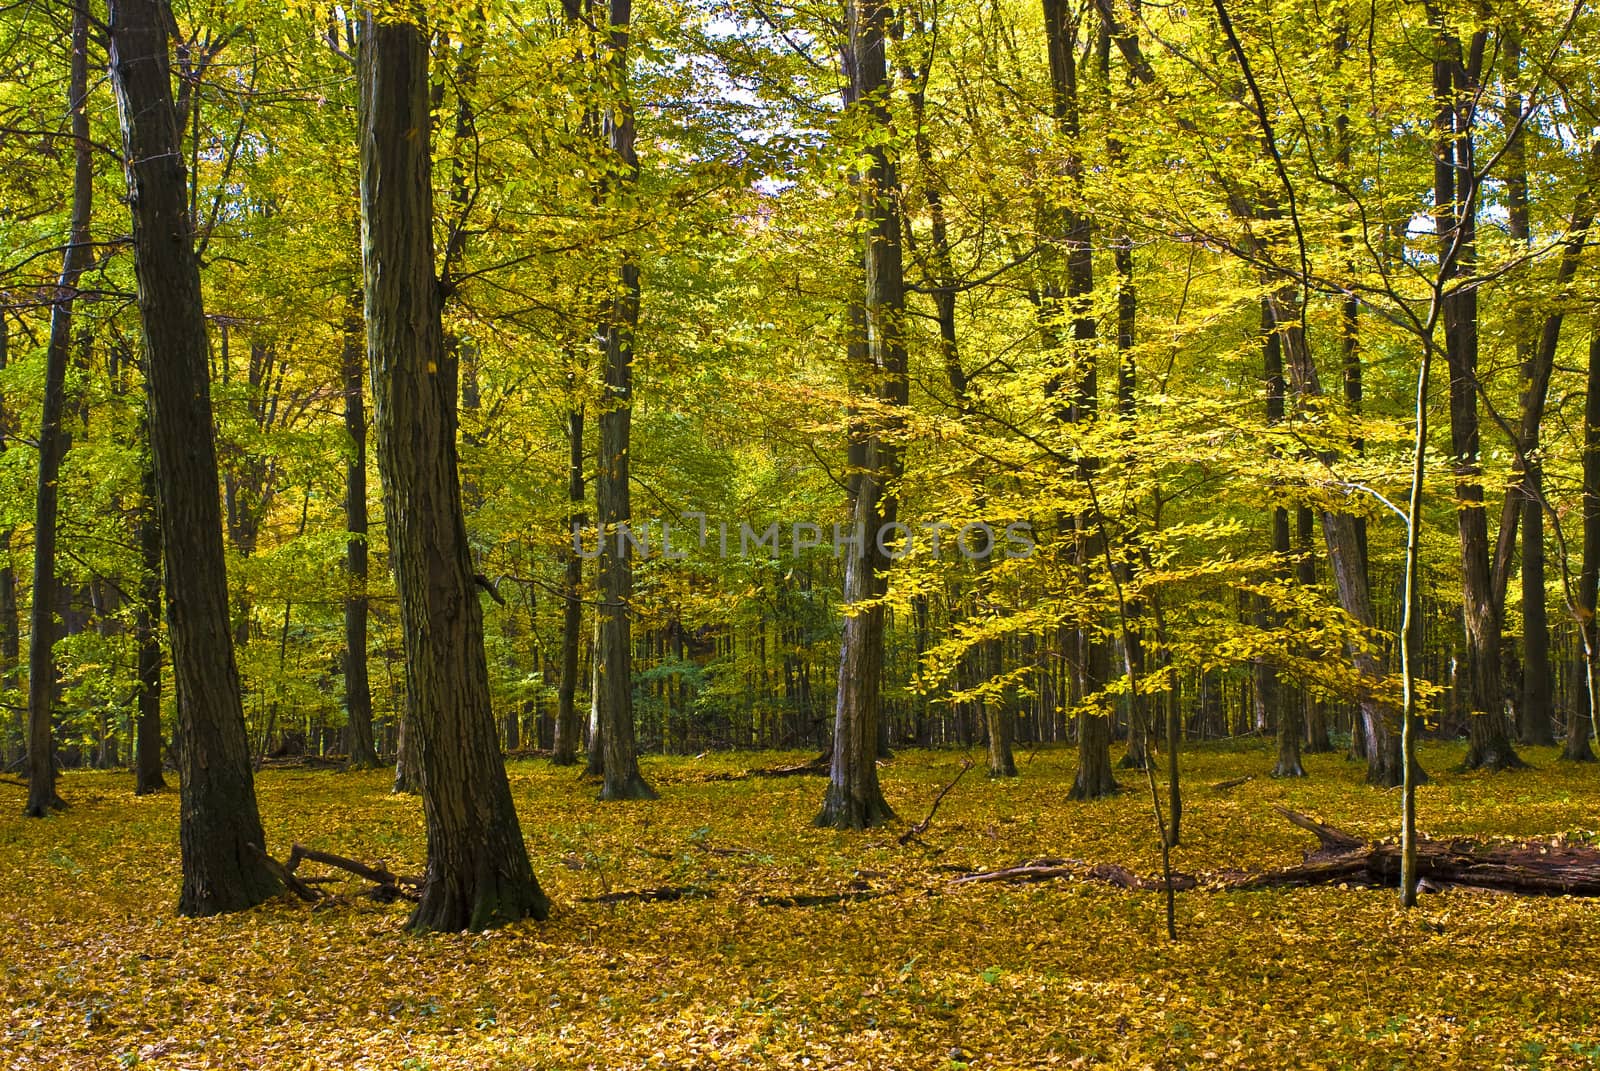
pixel 96 971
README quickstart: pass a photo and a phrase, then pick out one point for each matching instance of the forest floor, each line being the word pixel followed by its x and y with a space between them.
pixel 96 970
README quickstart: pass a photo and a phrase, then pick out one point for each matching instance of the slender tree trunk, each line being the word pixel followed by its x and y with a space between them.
pixel 1455 198
pixel 358 742
pixel 148 738
pixel 1582 720
pixel 854 798
pixel 478 873
pixel 985 660
pixel 1342 538
pixel 42 682
pixel 565 749
pixel 10 627
pixel 220 830
pixel 1270 691
pixel 613 502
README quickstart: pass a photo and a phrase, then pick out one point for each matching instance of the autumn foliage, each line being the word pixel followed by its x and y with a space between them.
pixel 99 973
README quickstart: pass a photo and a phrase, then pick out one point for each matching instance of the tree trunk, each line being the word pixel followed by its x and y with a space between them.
pixel 1581 721
pixel 854 798
pixel 1456 201
pixel 358 741
pixel 985 660
pixel 42 681
pixel 613 504
pixel 478 873
pixel 565 745
pixel 1270 689
pixel 1536 724
pixel 219 826
pixel 147 754
pixel 1342 538
pixel 1314 712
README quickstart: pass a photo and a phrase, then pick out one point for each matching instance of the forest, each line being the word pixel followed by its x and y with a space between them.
pixel 667 533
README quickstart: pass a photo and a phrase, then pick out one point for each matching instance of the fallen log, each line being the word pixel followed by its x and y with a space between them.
pixel 822 765
pixel 1534 868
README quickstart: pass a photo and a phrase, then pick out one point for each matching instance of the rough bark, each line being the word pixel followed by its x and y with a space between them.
pixel 1095 778
pixel 42 630
pixel 358 740
pixel 218 819
pixel 478 873
pixel 854 799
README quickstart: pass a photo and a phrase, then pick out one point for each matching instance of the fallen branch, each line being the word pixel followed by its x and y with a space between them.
pixel 820 899
pixel 1223 786
pixel 387 886
pixel 921 827
pixel 822 764
pixel 669 893
pixel 1076 869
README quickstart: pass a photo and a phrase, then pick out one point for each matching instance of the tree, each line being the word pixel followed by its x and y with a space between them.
pixel 42 797
pixel 854 799
pixel 1456 197
pixel 220 831
pixel 357 688
pixel 147 776
pixel 478 872
pixel 619 325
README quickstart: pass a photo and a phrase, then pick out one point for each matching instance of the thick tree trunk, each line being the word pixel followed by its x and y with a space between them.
pixel 219 826
pixel 42 681
pixel 613 502
pixel 478 873
pixel 854 798
pixel 1095 778
pixel 147 616
pixel 358 742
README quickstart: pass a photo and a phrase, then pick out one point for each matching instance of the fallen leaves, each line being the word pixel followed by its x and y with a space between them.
pixel 98 972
